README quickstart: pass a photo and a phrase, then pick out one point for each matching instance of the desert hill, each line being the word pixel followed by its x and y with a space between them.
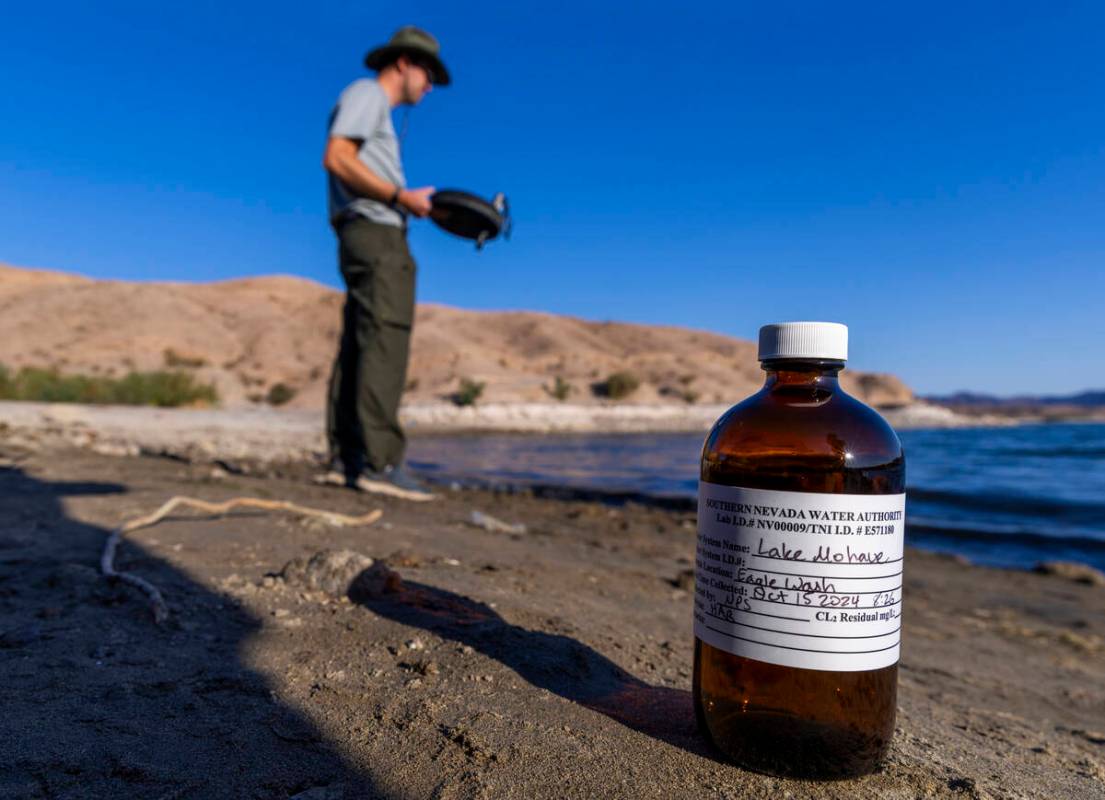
pixel 246 336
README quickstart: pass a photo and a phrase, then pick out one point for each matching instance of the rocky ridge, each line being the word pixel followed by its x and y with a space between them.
pixel 248 335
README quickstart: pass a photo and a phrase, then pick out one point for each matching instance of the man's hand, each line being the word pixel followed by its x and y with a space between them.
pixel 341 161
pixel 417 201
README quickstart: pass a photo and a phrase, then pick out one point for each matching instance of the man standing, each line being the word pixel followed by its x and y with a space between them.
pixel 369 208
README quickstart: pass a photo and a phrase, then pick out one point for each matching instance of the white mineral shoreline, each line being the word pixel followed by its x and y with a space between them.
pixel 268 434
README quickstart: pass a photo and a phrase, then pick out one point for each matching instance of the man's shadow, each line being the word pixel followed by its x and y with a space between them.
pixel 101 702
pixel 557 663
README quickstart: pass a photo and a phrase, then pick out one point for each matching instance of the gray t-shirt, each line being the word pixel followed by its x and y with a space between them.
pixel 363 113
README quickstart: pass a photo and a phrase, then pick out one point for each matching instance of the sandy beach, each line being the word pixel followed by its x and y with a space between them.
pixel 546 662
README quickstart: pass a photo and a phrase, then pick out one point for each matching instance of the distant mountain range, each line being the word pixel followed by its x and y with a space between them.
pixel 1093 397
pixel 1088 406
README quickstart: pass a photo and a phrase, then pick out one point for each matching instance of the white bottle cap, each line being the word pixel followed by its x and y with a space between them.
pixel 820 340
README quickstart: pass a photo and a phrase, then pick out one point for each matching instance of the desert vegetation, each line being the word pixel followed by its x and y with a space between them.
pixel 163 388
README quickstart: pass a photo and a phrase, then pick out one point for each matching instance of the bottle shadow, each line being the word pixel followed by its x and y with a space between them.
pixel 101 702
pixel 557 663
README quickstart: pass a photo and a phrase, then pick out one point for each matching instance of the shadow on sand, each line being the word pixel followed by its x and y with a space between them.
pixel 99 702
pixel 554 662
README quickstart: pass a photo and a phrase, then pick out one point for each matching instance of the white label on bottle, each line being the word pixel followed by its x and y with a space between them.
pixel 800 579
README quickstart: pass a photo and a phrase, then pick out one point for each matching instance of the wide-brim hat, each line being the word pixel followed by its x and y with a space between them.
pixel 416 43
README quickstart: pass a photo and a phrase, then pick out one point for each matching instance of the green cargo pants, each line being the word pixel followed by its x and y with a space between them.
pixel 370 370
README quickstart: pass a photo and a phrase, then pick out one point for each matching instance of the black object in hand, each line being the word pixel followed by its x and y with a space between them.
pixel 470 216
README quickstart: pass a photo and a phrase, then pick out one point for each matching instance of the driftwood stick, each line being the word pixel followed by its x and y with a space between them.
pixel 157 601
pixel 107 566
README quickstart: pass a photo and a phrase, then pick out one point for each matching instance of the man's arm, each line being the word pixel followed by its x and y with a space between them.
pixel 340 160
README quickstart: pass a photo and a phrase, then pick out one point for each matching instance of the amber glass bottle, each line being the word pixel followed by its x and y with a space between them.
pixel 799 568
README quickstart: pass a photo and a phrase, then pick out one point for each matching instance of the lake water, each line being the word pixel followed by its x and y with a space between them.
pixel 1003 496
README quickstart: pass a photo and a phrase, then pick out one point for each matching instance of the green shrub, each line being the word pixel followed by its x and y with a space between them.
pixel 560 389
pixel 159 388
pixel 279 394
pixel 469 392
pixel 618 385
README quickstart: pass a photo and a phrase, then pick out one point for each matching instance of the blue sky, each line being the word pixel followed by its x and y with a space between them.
pixel 932 176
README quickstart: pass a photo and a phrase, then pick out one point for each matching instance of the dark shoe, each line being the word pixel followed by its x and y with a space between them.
pixel 394 481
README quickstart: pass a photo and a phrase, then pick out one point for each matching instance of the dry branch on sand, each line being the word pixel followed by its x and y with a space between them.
pixel 157 601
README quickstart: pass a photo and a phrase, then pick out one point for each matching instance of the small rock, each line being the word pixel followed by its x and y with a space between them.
pixel 490 523
pixel 964 785
pixel 684 580
pixel 1072 571
pixel 340 573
